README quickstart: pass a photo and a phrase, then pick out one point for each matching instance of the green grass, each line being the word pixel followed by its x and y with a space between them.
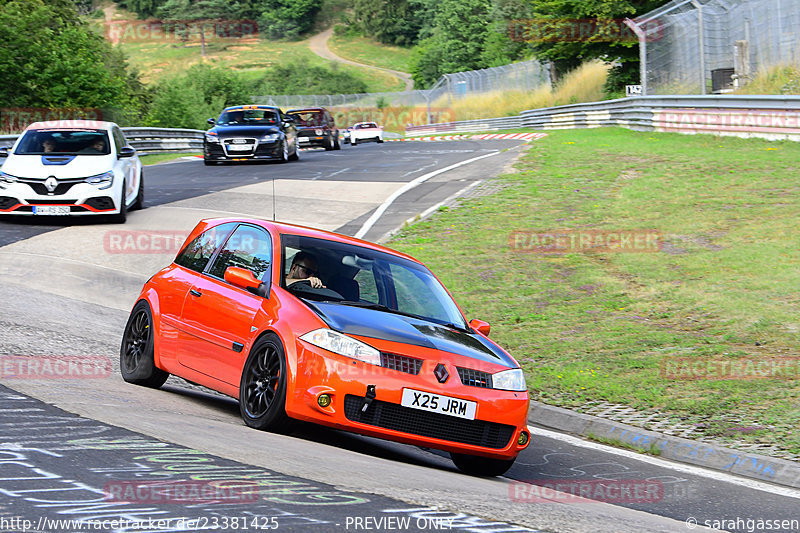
pixel 370 52
pixel 597 327
pixel 154 159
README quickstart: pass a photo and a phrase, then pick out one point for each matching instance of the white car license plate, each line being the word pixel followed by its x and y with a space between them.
pixel 303 139
pixel 51 210
pixel 436 403
pixel 240 147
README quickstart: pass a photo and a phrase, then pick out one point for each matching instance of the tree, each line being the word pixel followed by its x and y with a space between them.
pixel 51 59
pixel 568 32
pixel 395 22
pixel 196 12
pixel 287 19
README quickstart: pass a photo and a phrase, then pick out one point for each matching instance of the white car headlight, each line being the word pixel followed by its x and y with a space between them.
pixel 6 178
pixel 270 137
pixel 513 380
pixel 101 181
pixel 336 342
pixel 318 132
pixel 212 138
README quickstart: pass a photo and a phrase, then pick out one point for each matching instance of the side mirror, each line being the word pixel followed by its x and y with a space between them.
pixel 480 326
pixel 245 279
pixel 211 121
pixel 4 151
pixel 290 120
pixel 126 151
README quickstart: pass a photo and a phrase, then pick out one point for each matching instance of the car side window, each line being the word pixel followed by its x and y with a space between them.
pixel 196 254
pixel 248 247
pixel 119 139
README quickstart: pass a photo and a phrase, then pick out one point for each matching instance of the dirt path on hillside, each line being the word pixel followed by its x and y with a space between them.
pixel 319 45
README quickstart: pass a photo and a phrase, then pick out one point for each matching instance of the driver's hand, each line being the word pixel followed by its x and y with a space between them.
pixel 316 283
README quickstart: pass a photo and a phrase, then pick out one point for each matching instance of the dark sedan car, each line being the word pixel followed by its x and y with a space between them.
pixel 250 132
pixel 316 127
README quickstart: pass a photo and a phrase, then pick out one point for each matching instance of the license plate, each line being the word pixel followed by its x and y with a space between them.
pixel 239 147
pixel 303 139
pixel 51 210
pixel 436 403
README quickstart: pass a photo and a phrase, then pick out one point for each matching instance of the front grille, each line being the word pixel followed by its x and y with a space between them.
pixel 50 202
pixel 401 363
pixel 39 188
pixel 6 202
pixel 248 144
pixel 416 422
pixel 475 378
pixel 101 203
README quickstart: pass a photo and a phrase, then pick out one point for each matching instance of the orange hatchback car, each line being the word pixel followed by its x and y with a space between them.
pixel 298 323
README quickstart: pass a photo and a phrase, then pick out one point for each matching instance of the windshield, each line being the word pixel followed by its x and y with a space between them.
pixel 356 275
pixel 308 118
pixel 64 141
pixel 366 125
pixel 248 117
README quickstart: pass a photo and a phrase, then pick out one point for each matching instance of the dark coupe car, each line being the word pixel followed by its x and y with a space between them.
pixel 316 127
pixel 250 132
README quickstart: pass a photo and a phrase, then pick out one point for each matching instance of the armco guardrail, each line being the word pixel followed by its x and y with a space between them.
pixel 484 124
pixel 769 117
pixel 151 140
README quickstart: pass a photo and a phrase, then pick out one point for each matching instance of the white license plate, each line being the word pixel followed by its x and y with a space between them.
pixel 436 403
pixel 303 139
pixel 239 147
pixel 51 210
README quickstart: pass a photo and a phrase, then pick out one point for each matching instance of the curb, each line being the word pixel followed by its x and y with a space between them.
pixel 750 465
pixel 484 136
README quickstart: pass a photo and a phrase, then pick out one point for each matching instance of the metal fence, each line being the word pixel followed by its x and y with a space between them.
pixel 767 117
pixel 712 46
pixel 526 75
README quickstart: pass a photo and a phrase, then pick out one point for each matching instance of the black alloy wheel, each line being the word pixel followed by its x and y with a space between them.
pixel 136 361
pixel 262 390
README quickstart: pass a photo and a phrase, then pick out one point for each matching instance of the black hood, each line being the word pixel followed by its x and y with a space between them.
pixel 408 330
pixel 244 131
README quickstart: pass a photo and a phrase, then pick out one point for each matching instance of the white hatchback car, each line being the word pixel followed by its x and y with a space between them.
pixel 365 131
pixel 71 167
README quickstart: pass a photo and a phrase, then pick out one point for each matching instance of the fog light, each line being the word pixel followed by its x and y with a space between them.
pixel 324 400
pixel 523 439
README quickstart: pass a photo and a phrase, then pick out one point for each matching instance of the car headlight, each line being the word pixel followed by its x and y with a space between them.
pixel 101 181
pixel 513 380
pixel 270 137
pixel 7 178
pixel 318 132
pixel 336 342
pixel 212 138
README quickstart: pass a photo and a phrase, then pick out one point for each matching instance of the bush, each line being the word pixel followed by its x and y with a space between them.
pixel 302 78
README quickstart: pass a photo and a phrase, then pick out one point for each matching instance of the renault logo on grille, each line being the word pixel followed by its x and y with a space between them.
pixel 51 183
pixel 441 373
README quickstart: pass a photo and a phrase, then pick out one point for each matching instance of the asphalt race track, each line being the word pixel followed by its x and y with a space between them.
pixel 66 443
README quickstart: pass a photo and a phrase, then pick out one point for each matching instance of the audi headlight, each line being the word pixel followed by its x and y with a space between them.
pixel 513 380
pixel 101 181
pixel 335 342
pixel 212 138
pixel 318 132
pixel 270 137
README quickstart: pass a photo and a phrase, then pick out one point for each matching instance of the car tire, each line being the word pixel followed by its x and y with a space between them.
pixel 208 163
pixel 136 362
pixel 262 388
pixel 284 152
pixel 329 144
pixel 337 144
pixel 379 140
pixel 481 466
pixel 122 216
pixel 296 154
pixel 140 194
pixel 354 142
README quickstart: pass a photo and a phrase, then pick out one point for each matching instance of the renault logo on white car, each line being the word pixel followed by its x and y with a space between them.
pixel 51 183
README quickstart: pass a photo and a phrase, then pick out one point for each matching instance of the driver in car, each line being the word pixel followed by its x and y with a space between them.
pixel 304 268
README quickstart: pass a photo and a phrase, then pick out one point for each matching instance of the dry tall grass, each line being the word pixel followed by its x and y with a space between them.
pixel 584 84
pixel 783 79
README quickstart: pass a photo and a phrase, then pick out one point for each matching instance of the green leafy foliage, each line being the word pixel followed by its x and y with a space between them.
pixel 287 19
pixel 303 78
pixel 51 59
pixel 396 22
